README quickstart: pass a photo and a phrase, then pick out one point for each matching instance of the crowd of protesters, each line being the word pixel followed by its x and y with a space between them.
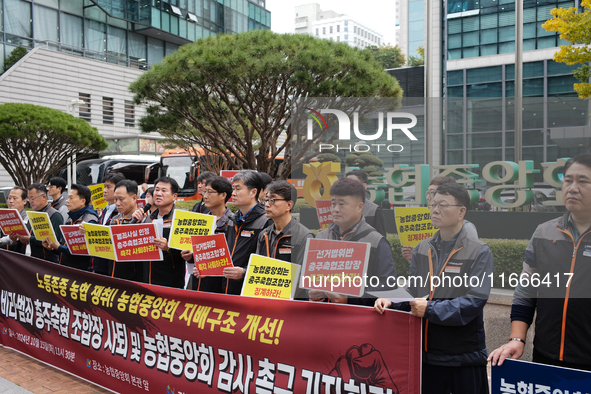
pixel 454 349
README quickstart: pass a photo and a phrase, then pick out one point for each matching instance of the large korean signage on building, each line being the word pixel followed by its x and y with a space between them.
pixel 517 178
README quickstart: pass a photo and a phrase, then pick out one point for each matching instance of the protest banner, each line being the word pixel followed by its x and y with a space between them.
pixel 185 224
pixel 229 175
pixel 75 240
pixel 337 266
pixel 414 225
pixel 323 213
pixel 516 376
pixel 211 254
pixel 135 242
pixel 11 222
pixel 134 338
pixel 97 197
pixel 98 241
pixel 141 203
pixel 270 278
pixel 41 225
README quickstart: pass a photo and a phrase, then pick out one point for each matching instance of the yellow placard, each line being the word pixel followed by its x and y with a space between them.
pixel 185 224
pixel 414 225
pixel 270 278
pixel 41 225
pixel 97 196
pixel 98 241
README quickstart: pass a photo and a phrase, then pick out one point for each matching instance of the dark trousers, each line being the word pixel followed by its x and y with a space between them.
pixel 454 380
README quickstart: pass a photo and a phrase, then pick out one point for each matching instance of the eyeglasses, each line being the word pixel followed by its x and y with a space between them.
pixel 271 201
pixel 442 207
pixel 209 192
pixel 34 198
pixel 430 193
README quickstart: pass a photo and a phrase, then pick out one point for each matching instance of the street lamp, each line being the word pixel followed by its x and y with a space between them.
pixel 72 160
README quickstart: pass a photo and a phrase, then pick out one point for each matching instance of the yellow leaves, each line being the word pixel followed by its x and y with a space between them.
pixel 583 89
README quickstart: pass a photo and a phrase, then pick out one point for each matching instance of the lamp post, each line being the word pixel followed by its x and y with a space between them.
pixel 71 171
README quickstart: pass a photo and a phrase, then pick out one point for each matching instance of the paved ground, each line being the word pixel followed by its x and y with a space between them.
pixel 20 374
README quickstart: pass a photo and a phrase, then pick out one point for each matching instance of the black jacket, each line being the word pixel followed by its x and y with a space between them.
pixel 84 215
pixel 171 270
pixel 242 240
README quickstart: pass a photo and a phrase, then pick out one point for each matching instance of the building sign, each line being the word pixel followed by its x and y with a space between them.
pixel 518 179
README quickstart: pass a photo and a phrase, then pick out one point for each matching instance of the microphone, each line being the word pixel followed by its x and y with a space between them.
pixel 146 209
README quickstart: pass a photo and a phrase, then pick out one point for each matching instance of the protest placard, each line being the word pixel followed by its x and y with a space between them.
pixel 516 376
pixel 12 223
pixel 185 224
pixel 323 212
pixel 336 266
pixel 41 225
pixel 75 240
pixel 414 225
pixel 97 197
pixel 98 241
pixel 229 175
pixel 135 242
pixel 141 203
pixel 211 254
pixel 270 278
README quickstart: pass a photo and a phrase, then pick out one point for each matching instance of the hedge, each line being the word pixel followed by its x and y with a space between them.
pixel 508 255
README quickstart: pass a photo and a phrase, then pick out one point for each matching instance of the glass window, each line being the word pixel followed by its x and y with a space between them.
pixel 484 115
pixel 558 86
pixel 547 42
pixel 174 25
pixel 18 17
pixel 567 111
pixel 532 138
pixel 48 3
pixel 484 74
pixel 183 28
pixel 117 41
pixel 156 18
pixel 95 36
pixel 84 109
pixel 529 30
pixel 507 47
pixel 453 54
pixel 130 115
pixel 555 68
pixel 166 21
pixel 454 26
pixel 455 141
pixel 455 77
pixel 71 30
pixel 470 39
pixel 510 137
pixel 533 69
pixel 137 46
pixel 470 52
pixel 108 110
pixel 533 87
pixel 73 7
pixel 155 51
pixel 129 144
pixel 488 21
pixel 488 36
pixel 470 24
pixel 488 50
pixel 484 140
pixel 507 34
pixel 171 48
pixel 543 32
pixel 455 157
pixel 529 45
pixel 507 19
pixel 454 41
pixel 45 24
pixel 456 91
pixel 484 156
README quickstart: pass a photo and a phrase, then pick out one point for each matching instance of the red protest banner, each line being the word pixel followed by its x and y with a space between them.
pixel 229 175
pixel 75 240
pixel 211 254
pixel 135 242
pixel 336 266
pixel 131 337
pixel 11 222
pixel 323 212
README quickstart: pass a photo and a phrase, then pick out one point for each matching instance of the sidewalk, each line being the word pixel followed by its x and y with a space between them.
pixel 20 374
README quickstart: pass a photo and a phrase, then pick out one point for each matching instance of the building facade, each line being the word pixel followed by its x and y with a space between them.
pixel 91 50
pixel 329 25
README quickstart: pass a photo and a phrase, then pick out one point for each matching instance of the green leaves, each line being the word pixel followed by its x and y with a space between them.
pixel 234 93
pixel 36 141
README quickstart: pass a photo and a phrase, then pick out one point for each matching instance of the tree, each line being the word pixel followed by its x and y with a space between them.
pixel 16 55
pixel 574 27
pixel 388 56
pixel 36 141
pixel 414 61
pixel 235 93
pixel 366 162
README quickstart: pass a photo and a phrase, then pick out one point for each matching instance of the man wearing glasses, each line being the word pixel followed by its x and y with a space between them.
pixel 17 199
pixel 216 193
pixel 429 194
pixel 453 268
pixel 37 195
